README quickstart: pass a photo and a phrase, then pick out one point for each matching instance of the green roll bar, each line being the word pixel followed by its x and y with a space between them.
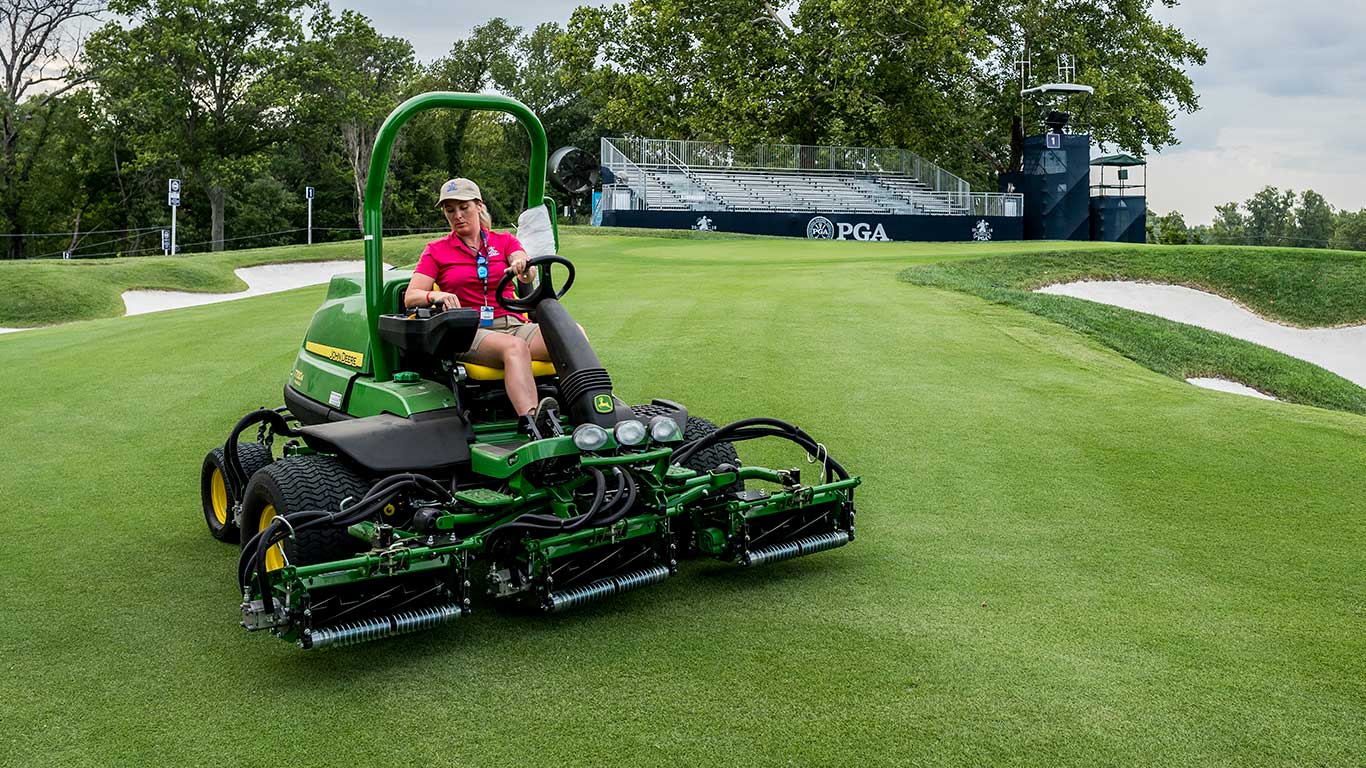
pixel 372 215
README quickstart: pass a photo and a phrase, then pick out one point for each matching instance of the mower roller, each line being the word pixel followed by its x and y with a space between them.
pixel 403 491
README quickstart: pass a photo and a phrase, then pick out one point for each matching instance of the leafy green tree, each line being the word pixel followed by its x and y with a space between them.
pixel 1136 64
pixel 1229 226
pixel 469 66
pixel 1172 230
pixel 1314 221
pixel 201 86
pixel 1349 234
pixel 1271 217
pixel 934 77
pixel 38 45
pixel 351 77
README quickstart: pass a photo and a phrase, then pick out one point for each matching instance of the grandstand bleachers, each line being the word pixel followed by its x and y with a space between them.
pixel 649 174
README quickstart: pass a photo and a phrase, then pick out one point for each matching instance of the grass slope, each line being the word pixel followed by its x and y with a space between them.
pixel 1295 286
pixel 1064 558
pixel 47 291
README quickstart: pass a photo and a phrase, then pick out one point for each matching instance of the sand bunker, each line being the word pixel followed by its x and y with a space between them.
pixel 1340 350
pixel 270 278
pixel 1224 385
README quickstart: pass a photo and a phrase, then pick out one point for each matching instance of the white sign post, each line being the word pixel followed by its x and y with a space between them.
pixel 308 192
pixel 173 200
pixel 165 242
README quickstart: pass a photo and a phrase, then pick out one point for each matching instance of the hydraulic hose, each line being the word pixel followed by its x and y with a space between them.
pixel 253 558
pixel 235 477
pixel 754 428
pixel 550 523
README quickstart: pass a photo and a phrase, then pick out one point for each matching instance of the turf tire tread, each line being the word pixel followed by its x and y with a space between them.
pixel 302 483
pixel 252 456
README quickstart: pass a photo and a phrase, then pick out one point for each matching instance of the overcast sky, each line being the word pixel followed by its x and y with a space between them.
pixel 1283 96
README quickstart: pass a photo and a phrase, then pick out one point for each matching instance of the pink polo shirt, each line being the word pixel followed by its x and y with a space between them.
pixel 453 266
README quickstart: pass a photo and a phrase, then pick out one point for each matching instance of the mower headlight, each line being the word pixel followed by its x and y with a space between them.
pixel 630 432
pixel 589 437
pixel 665 430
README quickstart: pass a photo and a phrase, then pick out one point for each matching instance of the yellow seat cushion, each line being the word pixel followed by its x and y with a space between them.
pixel 485 373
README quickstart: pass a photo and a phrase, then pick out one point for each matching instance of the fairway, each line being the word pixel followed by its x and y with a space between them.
pixel 1063 558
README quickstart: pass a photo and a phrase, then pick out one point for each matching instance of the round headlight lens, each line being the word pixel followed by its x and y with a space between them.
pixel 589 437
pixel 665 430
pixel 630 432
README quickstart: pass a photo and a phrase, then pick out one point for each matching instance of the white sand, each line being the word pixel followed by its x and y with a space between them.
pixel 1340 350
pixel 12 330
pixel 270 278
pixel 1224 385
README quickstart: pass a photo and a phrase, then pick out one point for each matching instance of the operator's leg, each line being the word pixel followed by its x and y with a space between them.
pixel 503 350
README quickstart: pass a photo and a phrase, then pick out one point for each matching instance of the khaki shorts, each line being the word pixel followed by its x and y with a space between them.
pixel 502 324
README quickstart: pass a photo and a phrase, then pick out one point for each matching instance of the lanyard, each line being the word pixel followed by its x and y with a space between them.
pixel 482 270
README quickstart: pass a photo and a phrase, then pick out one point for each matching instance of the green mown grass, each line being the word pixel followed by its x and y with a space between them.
pixel 47 291
pixel 1063 557
pixel 1296 286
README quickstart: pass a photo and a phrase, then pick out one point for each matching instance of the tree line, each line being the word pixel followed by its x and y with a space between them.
pixel 1270 217
pixel 249 101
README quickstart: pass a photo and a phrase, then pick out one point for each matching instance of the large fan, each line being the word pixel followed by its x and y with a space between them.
pixel 573 171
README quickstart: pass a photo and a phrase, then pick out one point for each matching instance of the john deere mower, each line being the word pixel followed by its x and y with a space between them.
pixel 402 492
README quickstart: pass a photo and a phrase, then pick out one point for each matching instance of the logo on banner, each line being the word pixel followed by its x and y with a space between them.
pixel 704 224
pixel 820 228
pixel 981 231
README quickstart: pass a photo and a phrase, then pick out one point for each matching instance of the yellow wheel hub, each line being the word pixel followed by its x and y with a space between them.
pixel 275 556
pixel 218 497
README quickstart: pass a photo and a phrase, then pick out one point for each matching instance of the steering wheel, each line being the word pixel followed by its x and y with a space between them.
pixel 544 290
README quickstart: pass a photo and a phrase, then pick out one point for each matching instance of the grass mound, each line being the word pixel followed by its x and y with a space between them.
pixel 1295 286
pixel 47 291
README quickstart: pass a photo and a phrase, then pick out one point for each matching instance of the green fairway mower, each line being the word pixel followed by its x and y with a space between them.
pixel 404 487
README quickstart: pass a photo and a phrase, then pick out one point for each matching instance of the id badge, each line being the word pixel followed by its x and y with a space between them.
pixel 486 317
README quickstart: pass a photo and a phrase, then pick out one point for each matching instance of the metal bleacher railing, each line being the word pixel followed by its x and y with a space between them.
pixel 663 174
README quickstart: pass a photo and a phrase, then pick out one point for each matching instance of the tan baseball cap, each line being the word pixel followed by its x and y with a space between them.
pixel 459 189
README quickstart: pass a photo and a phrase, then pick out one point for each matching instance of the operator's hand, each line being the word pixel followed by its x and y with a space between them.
pixel 445 300
pixel 518 266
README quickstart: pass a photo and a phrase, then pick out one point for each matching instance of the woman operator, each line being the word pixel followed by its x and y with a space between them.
pixel 468 264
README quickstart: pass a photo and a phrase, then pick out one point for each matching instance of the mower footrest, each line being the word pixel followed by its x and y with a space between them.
pixel 596 590
pixel 353 633
pixel 796 548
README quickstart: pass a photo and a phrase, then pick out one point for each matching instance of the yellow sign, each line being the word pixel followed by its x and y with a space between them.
pixel 602 403
pixel 343 356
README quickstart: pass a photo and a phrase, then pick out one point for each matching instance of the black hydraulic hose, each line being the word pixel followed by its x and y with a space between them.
pixel 625 504
pixel 752 428
pixel 550 523
pixel 832 468
pixel 235 477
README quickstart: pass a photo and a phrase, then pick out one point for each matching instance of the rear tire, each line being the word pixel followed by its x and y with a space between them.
pixel 213 488
pixel 296 484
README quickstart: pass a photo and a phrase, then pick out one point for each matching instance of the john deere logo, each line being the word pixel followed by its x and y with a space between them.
pixel 602 403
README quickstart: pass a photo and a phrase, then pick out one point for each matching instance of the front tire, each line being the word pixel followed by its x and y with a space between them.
pixel 296 484
pixel 213 488
pixel 697 427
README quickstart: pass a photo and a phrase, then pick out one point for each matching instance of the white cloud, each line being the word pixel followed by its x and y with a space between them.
pixel 1281 104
